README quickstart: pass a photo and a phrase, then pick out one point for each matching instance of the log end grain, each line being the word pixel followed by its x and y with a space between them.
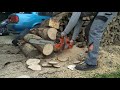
pixel 48 49
pixel 52 33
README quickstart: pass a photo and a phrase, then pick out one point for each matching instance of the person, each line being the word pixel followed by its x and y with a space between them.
pixel 96 30
pixel 75 24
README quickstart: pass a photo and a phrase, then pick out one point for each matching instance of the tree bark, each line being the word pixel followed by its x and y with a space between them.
pixel 47 33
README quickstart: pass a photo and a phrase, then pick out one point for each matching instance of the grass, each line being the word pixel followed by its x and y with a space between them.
pixel 111 75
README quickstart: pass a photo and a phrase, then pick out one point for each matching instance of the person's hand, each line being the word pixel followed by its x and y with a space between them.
pixel 62 34
pixel 71 42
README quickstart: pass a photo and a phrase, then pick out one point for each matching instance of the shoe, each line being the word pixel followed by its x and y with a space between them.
pixel 85 67
pixel 15 42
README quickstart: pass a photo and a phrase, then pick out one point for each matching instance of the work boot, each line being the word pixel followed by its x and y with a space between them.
pixel 15 42
pixel 85 67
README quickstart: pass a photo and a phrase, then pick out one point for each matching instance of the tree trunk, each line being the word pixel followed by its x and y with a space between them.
pixel 33 44
pixel 45 47
pixel 47 33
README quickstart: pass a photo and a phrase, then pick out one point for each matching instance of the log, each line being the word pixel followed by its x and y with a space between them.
pixel 44 46
pixel 47 33
pixel 46 49
pixel 29 50
pixel 31 36
pixel 36 44
pixel 55 21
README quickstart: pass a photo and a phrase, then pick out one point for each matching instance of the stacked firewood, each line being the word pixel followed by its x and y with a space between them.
pixel 111 34
pixel 41 40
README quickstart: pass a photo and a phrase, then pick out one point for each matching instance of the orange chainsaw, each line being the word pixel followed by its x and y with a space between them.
pixel 63 43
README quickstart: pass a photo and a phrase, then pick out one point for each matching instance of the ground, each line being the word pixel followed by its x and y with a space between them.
pixel 12 62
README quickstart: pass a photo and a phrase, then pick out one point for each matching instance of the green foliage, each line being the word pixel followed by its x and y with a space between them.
pixel 111 75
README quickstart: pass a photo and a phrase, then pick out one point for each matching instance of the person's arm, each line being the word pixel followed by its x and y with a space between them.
pixel 71 24
pixel 77 30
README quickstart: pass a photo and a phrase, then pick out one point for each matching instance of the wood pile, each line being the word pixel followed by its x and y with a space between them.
pixel 41 40
pixel 111 35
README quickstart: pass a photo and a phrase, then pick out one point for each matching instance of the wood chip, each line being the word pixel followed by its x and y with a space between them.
pixel 53 62
pixel 35 67
pixel 32 61
pixel 71 67
pixel 56 66
pixel 46 65
pixel 76 62
pixel 63 59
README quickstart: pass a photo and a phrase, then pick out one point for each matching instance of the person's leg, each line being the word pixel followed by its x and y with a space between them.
pixel 87 29
pixel 71 24
pixel 95 35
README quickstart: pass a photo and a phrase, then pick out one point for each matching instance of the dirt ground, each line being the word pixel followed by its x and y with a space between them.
pixel 12 62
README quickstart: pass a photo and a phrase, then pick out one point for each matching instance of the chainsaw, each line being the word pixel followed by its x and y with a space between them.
pixel 62 43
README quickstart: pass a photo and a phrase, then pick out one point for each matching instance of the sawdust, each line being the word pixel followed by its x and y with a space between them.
pixel 71 54
pixel 108 62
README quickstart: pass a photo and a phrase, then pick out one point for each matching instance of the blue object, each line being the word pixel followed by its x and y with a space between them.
pixel 27 20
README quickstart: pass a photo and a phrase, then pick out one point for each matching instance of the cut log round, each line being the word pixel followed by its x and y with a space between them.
pixel 45 64
pixel 63 59
pixel 56 66
pixel 35 67
pixel 52 33
pixel 33 61
pixel 48 49
pixel 76 62
pixel 54 22
pixel 53 62
pixel 47 33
